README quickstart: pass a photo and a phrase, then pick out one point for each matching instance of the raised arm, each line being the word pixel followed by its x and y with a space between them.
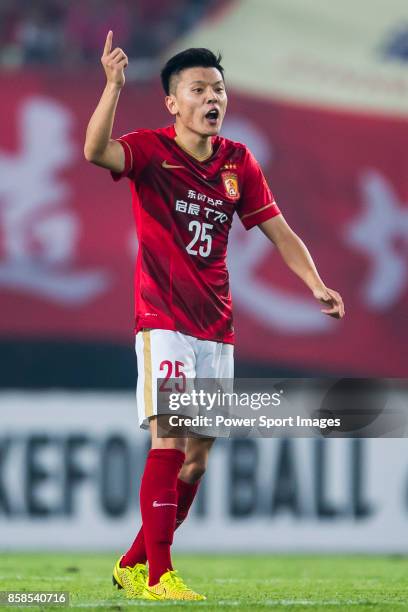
pixel 99 147
pixel 299 260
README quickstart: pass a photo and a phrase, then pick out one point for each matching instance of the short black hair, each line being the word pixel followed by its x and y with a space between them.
pixel 190 58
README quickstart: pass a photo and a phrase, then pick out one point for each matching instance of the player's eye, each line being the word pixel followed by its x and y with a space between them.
pixel 198 89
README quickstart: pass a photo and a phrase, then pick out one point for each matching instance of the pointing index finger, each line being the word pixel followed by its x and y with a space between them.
pixel 108 43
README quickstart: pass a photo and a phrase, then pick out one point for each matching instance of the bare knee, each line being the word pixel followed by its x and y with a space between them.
pixel 195 463
pixel 193 469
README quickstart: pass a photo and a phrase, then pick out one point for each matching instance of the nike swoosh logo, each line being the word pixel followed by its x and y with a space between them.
pixel 169 166
pixel 156 504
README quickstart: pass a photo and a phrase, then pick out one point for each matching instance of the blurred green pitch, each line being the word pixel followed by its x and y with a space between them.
pixel 236 582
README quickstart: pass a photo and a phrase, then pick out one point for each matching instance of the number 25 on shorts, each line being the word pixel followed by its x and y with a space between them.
pixel 173 370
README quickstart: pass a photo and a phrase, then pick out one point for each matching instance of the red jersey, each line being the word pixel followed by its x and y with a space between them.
pixel 183 210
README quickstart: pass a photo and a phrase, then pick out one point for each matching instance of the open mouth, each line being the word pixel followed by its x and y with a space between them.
pixel 212 116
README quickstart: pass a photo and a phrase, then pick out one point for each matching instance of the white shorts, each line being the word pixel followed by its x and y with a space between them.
pixel 163 353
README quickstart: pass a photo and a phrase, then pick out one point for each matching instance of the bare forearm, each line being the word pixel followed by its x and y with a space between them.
pixel 297 257
pixel 293 251
pixel 99 130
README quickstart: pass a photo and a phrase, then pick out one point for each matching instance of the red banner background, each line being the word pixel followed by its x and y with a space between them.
pixel 67 241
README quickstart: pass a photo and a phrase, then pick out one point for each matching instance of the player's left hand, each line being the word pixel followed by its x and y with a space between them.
pixel 331 299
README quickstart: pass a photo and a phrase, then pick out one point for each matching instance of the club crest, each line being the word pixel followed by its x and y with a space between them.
pixel 230 180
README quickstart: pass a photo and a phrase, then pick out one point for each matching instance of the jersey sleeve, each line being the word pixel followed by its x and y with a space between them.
pixel 134 148
pixel 256 203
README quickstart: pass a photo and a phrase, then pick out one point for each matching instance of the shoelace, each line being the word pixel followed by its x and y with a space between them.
pixel 177 581
pixel 136 571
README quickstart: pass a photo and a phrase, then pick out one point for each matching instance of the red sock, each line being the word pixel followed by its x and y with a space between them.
pixel 186 494
pixel 136 553
pixel 158 504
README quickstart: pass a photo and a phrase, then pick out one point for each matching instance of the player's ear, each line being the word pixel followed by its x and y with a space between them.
pixel 171 104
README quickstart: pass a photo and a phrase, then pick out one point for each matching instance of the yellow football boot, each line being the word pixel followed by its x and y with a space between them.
pixel 171 586
pixel 131 579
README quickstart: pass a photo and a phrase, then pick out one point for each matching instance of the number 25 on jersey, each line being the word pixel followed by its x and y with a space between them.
pixel 202 240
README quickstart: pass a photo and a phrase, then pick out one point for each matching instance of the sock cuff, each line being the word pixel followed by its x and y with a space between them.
pixel 167 453
pixel 188 487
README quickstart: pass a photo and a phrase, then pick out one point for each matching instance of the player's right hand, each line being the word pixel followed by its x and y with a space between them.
pixel 114 62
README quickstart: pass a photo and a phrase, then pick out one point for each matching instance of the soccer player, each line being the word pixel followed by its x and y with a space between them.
pixel 186 182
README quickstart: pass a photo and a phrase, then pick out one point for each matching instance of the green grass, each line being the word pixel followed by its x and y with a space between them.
pixel 244 582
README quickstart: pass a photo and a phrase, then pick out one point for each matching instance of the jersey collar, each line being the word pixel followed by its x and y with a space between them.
pixel 172 133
